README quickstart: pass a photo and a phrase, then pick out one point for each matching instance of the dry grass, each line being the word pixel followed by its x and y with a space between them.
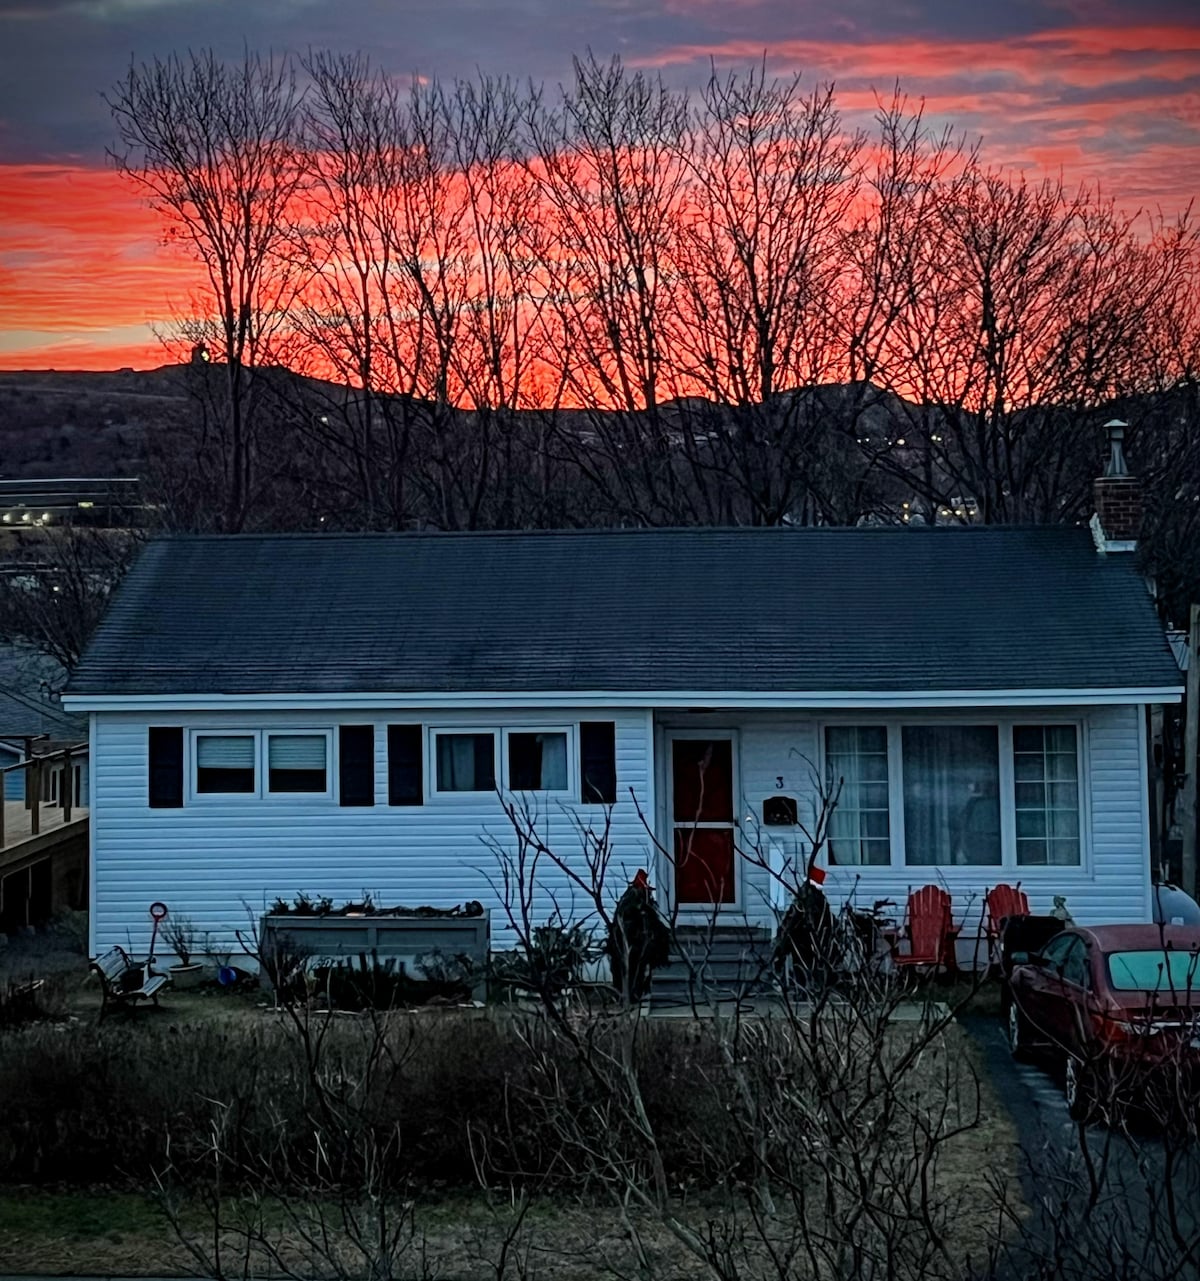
pixel 126 1233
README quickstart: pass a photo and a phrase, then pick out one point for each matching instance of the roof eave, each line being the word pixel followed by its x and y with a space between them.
pixel 683 699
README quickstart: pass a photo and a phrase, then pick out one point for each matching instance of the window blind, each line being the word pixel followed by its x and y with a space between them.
pixel 225 751
pixel 296 751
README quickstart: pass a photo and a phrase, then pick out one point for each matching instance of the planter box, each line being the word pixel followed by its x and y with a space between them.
pixel 407 938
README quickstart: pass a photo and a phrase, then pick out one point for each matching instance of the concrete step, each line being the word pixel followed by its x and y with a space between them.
pixel 721 963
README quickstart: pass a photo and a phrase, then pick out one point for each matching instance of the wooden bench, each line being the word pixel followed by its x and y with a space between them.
pixel 125 981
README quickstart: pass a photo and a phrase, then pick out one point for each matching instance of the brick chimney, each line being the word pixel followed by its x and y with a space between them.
pixel 1118 498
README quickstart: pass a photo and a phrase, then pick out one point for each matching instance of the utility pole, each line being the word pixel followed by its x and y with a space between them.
pixel 1191 752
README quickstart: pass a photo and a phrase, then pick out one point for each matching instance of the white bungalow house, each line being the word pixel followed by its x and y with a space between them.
pixel 334 714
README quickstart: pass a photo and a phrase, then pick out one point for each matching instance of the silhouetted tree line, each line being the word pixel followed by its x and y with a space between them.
pixel 479 304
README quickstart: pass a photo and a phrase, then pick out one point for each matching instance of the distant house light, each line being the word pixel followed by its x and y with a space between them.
pixel 26 516
pixel 86 502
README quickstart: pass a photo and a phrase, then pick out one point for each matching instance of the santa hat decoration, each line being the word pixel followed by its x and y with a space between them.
pixel 640 881
pixel 816 875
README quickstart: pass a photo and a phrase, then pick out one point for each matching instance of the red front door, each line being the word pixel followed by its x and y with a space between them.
pixel 702 800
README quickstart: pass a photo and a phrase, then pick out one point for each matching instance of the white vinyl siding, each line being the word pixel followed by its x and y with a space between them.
pixel 222 859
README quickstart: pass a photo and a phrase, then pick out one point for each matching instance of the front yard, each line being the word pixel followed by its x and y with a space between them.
pixel 484 1142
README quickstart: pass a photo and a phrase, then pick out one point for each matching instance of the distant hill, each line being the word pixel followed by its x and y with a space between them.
pixel 53 423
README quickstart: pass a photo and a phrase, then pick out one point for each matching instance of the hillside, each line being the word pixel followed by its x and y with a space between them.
pixel 56 423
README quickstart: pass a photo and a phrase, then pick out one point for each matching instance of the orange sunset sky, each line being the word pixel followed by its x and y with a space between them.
pixel 1096 91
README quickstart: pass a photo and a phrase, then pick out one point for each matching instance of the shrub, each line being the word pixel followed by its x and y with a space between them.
pixel 113 1103
pixel 551 962
pixel 30 1000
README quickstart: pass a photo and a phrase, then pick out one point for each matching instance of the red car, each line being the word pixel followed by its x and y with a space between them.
pixel 1118 1005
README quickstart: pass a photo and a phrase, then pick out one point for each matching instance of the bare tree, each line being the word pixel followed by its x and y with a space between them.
pixel 55 604
pixel 214 150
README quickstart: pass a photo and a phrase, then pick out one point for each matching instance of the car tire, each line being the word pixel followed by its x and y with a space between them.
pixel 1018 1033
pixel 1079 1089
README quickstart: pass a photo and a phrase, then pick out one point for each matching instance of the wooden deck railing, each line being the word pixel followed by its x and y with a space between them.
pixel 57 813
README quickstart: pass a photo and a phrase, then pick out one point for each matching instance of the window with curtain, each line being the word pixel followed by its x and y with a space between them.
pixel 465 762
pixel 537 762
pixel 297 762
pixel 1046 789
pixel 857 757
pixel 951 795
pixel 225 763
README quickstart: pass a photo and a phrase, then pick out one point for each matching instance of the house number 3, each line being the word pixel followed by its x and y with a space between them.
pixel 779 782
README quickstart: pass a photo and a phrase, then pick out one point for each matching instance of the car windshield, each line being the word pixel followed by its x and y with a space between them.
pixel 1154 971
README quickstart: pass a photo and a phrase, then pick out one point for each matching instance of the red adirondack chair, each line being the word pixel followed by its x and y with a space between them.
pixel 1002 902
pixel 929 929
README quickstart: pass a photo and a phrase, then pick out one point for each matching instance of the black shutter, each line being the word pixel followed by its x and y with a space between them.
pixel 598 762
pixel 356 765
pixel 405 773
pixel 166 767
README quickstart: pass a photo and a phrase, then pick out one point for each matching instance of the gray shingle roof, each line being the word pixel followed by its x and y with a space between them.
pixel 711 610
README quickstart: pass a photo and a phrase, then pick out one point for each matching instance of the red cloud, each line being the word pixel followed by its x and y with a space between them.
pixel 83 270
pixel 79 258
pixel 1080 56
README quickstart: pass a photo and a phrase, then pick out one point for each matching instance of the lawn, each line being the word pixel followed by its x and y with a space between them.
pixel 80 1153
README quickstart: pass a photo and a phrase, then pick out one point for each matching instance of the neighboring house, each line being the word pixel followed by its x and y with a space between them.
pixel 34 726
pixel 337 714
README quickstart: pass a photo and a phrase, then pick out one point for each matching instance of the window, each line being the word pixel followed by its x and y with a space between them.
pixel 1046 793
pixel 1055 952
pixel 951 795
pixel 537 761
pixel 225 763
pixel 1075 964
pixel 857 758
pixel 465 762
pixel 297 763
pixel 1154 970
pixel 962 795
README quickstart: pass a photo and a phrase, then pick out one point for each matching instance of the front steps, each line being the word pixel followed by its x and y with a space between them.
pixel 714 963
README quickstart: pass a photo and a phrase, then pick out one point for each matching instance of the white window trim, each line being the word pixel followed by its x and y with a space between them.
pixel 193 795
pixel 292 732
pixel 571 733
pixel 262 790
pixel 1084 794
pixel 432 793
pixel 1008 864
pixel 895 820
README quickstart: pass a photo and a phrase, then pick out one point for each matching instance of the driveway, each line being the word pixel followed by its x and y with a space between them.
pixel 1106 1202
